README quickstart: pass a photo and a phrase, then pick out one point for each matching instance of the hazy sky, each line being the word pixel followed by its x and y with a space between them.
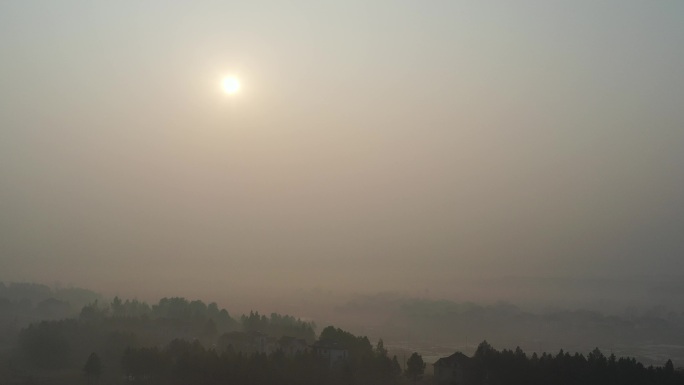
pixel 385 145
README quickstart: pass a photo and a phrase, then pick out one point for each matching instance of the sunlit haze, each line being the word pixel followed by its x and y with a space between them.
pixel 504 150
pixel 231 85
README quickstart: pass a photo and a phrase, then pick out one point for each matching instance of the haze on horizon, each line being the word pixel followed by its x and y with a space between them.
pixel 431 148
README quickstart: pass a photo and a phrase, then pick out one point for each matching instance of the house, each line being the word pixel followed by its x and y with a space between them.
pixel 292 345
pixel 261 343
pixel 450 370
pixel 335 352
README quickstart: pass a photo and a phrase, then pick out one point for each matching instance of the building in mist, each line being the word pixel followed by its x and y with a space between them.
pixel 291 345
pixel 335 352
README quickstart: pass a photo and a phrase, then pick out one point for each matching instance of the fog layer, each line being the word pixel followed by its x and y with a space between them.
pixel 403 146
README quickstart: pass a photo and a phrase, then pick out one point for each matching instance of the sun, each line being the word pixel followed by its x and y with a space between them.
pixel 231 85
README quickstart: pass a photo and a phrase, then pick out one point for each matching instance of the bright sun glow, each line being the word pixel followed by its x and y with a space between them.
pixel 231 85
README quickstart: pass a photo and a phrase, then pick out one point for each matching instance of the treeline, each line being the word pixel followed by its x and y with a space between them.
pixel 109 329
pixel 183 362
pixel 358 347
pixel 175 308
pixel 514 367
pixel 25 303
pixel 279 325
pixel 35 293
pixel 178 308
pixel 445 322
pixel 22 303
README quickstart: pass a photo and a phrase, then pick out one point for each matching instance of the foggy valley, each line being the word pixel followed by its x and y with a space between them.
pixel 345 192
pixel 434 328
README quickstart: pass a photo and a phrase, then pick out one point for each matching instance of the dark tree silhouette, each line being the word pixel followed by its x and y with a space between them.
pixel 380 348
pixel 93 368
pixel 396 368
pixel 415 367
